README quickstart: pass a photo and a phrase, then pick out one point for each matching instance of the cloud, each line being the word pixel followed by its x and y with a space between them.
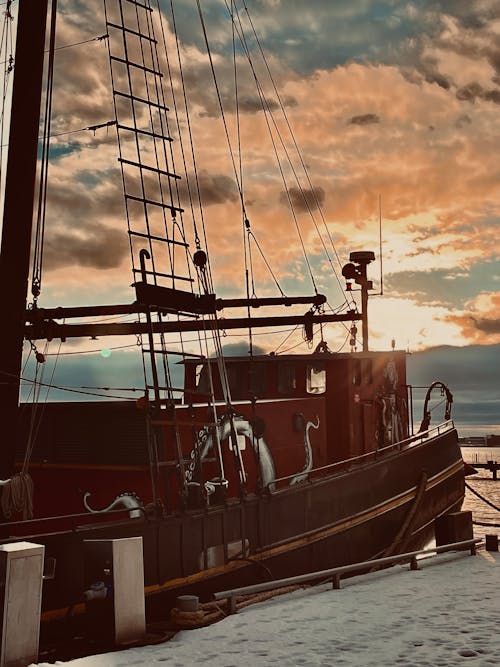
pixel 307 199
pixel 446 287
pixel 364 119
pixel 362 84
pixel 463 121
pixel 474 91
pixel 487 325
pixel 241 349
pixel 480 321
pixel 96 247
pixel 214 188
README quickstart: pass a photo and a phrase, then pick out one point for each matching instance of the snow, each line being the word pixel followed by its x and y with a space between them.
pixel 447 613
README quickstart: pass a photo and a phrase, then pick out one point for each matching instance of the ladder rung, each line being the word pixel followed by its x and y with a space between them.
pixel 146 132
pixel 139 165
pixel 141 99
pixel 140 4
pixel 132 32
pixel 129 63
pixel 158 238
pixel 154 203
pixel 163 275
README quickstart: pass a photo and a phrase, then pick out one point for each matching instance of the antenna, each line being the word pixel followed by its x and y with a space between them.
pixel 380 243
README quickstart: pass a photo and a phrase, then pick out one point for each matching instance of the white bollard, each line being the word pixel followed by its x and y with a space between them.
pixel 117 590
pixel 21 578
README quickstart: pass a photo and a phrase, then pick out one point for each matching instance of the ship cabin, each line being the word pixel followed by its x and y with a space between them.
pixel 363 396
pixel 293 417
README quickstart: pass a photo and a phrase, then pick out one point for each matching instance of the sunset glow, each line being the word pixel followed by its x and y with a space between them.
pixel 391 100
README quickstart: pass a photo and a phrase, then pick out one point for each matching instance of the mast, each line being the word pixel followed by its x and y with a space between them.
pixel 18 209
pixel 357 270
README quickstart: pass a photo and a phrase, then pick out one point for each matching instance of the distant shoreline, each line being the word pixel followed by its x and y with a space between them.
pixel 489 440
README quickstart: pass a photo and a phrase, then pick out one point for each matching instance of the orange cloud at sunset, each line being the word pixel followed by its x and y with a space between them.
pixel 481 321
pixel 385 99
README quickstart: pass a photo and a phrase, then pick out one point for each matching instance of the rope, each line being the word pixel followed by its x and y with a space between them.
pixel 17 496
pixel 482 523
pixel 485 500
pixel 211 612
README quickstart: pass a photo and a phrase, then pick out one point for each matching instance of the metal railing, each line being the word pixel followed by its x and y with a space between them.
pixel 334 574
pixel 412 441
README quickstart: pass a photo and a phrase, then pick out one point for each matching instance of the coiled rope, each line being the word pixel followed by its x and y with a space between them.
pixel 17 496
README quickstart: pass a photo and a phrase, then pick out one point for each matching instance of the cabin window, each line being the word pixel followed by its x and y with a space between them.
pixel 257 376
pixel 287 382
pixel 316 378
pixel 202 379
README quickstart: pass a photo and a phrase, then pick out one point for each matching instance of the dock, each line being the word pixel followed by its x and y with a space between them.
pixel 485 463
pixel 397 616
pixel 492 466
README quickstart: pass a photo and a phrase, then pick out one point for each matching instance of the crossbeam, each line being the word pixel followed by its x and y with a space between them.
pixel 48 329
pixel 39 314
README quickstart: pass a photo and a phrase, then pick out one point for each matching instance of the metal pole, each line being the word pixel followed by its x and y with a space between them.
pixel 364 309
pixel 18 208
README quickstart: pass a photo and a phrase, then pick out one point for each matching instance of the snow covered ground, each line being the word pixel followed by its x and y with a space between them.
pixel 445 614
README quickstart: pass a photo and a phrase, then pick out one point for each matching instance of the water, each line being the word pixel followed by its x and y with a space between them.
pixel 484 484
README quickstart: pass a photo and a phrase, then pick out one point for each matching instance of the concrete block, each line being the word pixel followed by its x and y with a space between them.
pixel 115 580
pixel 21 578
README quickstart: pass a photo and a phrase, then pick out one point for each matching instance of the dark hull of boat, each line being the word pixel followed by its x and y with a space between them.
pixel 363 509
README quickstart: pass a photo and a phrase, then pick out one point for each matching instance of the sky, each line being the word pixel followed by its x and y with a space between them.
pixel 391 103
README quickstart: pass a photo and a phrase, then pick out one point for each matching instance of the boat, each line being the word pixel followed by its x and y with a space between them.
pixel 263 465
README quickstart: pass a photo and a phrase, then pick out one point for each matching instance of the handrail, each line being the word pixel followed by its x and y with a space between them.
pixel 412 440
pixel 80 515
pixel 334 574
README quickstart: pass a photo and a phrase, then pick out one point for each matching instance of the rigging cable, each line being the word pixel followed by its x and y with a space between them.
pixel 268 114
pixel 205 276
pixel 6 44
pixel 301 159
pixel 246 229
pixel 225 125
pixel 346 303
pixel 204 288
pixel 36 280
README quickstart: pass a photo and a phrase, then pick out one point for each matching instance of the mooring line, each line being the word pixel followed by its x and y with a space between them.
pixel 482 497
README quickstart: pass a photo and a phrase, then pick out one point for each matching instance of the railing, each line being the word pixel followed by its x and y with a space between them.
pixel 67 517
pixel 413 440
pixel 334 574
